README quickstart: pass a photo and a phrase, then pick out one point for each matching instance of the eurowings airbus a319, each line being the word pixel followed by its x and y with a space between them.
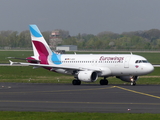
pixel 86 67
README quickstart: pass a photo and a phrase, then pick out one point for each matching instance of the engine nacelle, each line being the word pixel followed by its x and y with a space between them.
pixel 128 78
pixel 87 76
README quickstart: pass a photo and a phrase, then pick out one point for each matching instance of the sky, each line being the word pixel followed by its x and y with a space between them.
pixel 80 16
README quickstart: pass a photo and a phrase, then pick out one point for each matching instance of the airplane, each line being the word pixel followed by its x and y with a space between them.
pixel 86 67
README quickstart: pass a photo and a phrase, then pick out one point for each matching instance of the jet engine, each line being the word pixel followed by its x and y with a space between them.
pixel 87 76
pixel 128 78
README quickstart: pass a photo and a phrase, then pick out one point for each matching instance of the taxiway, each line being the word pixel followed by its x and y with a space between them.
pixel 83 98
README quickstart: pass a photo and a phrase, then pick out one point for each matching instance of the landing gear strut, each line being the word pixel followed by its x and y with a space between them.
pixel 133 80
pixel 103 81
pixel 76 82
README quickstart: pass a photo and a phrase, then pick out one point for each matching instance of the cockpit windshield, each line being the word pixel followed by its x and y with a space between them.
pixel 141 61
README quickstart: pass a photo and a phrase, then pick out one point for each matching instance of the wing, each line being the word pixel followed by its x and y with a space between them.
pixel 57 66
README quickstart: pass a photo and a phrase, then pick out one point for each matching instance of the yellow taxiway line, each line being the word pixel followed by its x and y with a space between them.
pixel 137 92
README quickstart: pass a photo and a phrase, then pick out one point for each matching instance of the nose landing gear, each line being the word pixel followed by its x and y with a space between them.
pixel 133 83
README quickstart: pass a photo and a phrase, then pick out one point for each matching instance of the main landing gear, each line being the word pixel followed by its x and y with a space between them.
pixel 103 81
pixel 76 82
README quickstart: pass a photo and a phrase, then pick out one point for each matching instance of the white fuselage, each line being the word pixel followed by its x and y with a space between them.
pixel 108 64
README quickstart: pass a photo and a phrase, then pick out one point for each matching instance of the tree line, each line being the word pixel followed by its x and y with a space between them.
pixel 13 39
pixel 137 40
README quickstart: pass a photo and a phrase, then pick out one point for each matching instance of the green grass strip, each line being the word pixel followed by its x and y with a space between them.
pixel 4 115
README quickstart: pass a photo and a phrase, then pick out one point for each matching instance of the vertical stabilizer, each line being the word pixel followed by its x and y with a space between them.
pixel 41 49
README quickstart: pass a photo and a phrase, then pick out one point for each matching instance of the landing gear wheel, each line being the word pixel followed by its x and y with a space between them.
pixel 79 82
pixel 133 83
pixel 103 82
pixel 76 82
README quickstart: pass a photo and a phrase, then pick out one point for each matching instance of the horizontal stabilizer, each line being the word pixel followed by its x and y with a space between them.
pixel 11 62
pixel 17 63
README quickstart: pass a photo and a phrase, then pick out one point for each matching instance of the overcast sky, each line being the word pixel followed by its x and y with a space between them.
pixel 80 16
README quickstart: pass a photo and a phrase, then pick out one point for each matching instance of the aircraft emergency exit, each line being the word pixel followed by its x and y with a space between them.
pixel 86 67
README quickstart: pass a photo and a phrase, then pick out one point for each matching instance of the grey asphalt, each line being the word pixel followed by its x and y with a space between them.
pixel 83 98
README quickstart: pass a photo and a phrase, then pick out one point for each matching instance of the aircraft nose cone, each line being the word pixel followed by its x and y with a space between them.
pixel 150 68
pixel 147 68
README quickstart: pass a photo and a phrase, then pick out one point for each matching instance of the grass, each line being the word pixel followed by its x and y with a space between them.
pixel 75 116
pixel 18 54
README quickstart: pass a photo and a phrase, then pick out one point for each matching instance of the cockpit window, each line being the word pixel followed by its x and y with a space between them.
pixel 145 61
pixel 141 61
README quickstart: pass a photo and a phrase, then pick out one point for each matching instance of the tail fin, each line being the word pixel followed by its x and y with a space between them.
pixel 41 49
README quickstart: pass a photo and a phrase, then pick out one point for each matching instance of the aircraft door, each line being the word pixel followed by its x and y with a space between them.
pixel 94 62
pixel 126 62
